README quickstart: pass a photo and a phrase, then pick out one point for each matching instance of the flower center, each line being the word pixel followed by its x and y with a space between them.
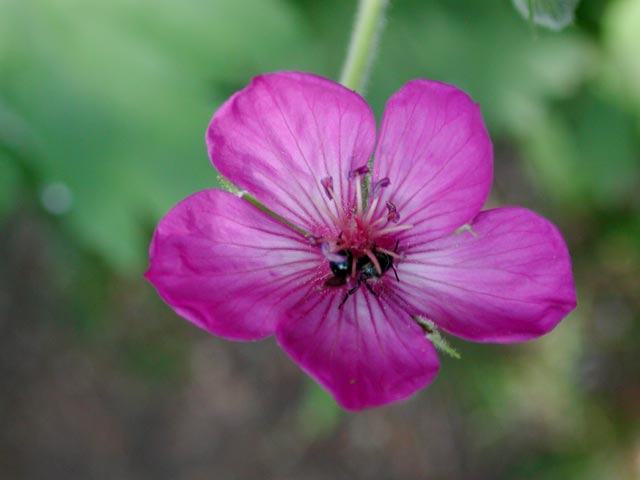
pixel 365 232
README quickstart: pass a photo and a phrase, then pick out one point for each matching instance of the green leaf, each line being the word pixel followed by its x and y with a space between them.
pixel 485 50
pixel 9 183
pixel 586 152
pixel 118 96
pixel 16 142
pixel 318 414
pixel 621 37
pixel 552 14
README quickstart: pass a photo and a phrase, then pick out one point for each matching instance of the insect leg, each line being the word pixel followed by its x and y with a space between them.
pixel 350 292
pixel 371 289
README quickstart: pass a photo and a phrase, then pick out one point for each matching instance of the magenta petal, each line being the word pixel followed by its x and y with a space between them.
pixel 286 132
pixel 365 353
pixel 226 266
pixel 507 280
pixel 436 152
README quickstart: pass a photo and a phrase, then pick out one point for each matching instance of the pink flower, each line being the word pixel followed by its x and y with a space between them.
pixel 347 280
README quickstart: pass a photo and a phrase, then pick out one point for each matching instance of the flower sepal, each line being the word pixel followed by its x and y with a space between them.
pixel 433 334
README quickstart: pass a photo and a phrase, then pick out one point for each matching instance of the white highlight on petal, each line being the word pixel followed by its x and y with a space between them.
pixel 330 255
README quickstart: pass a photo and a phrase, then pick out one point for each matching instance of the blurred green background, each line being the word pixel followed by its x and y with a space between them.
pixel 103 108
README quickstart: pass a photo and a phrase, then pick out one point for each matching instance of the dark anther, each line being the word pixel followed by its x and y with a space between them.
pixel 393 214
pixel 379 185
pixel 327 183
pixel 359 171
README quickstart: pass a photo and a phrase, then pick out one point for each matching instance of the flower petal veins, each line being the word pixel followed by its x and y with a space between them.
pixel 228 267
pixel 507 279
pixel 285 132
pixel 367 353
pixel 364 254
pixel 437 153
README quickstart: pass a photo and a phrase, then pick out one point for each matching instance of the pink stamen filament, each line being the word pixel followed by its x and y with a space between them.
pixel 370 211
pixel 379 221
pixel 389 252
pixel 323 208
pixel 358 193
pixel 327 183
pixel 374 260
pixel 385 231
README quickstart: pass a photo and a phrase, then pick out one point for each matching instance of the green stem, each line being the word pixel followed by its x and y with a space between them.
pixel 366 31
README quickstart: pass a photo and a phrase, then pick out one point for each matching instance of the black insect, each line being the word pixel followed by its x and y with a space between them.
pixel 341 270
pixel 365 270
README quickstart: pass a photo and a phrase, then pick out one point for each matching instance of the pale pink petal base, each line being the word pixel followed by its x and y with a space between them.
pixel 228 267
pixel 507 280
pixel 437 154
pixel 366 353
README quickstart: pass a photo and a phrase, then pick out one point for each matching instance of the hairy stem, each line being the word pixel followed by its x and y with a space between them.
pixel 364 38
